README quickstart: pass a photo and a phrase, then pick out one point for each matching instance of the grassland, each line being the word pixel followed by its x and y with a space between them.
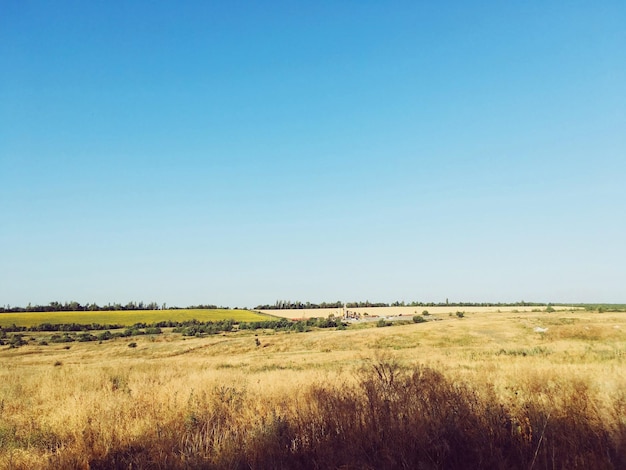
pixel 127 317
pixel 489 390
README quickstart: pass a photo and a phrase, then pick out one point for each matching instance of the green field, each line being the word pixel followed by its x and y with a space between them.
pixel 128 317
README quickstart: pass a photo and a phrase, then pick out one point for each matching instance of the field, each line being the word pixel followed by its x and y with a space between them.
pixel 485 390
pixel 126 317
pixel 398 311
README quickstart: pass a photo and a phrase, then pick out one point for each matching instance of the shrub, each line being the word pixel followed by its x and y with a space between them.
pixel 85 337
pixel 460 314
pixel 65 338
pixel 132 345
pixel 106 335
pixel 382 323
pixel 418 319
pixel 16 341
pixel 330 322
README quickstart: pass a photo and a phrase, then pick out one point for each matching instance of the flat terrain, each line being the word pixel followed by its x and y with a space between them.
pixel 90 404
pixel 127 317
pixel 392 312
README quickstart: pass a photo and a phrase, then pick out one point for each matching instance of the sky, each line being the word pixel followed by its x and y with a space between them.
pixel 236 153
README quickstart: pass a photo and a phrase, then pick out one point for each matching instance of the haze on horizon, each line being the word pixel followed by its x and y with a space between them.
pixel 239 153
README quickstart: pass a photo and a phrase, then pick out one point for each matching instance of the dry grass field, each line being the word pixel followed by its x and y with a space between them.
pixel 488 390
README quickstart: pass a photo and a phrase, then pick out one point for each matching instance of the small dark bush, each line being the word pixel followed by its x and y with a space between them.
pixel 132 345
pixel 418 319
pixel 105 336
pixel 86 337
pixel 17 341
pixel 65 338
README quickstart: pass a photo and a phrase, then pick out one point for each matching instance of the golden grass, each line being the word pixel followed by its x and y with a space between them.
pixel 128 317
pixel 223 401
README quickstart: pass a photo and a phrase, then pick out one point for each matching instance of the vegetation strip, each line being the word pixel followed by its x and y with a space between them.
pixel 83 333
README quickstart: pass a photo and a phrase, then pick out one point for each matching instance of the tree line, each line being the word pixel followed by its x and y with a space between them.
pixel 297 305
pixel 278 305
pixel 93 307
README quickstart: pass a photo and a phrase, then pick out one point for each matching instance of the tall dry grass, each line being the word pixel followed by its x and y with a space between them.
pixel 477 392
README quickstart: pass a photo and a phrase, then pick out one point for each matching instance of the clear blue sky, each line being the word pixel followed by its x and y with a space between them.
pixel 238 153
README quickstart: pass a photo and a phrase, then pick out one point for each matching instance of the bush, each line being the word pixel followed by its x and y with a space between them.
pixel 106 335
pixel 330 322
pixel 17 340
pixel 418 319
pixel 382 323
pixel 425 313
pixel 85 337
pixel 132 345
pixel 460 314
pixel 65 338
